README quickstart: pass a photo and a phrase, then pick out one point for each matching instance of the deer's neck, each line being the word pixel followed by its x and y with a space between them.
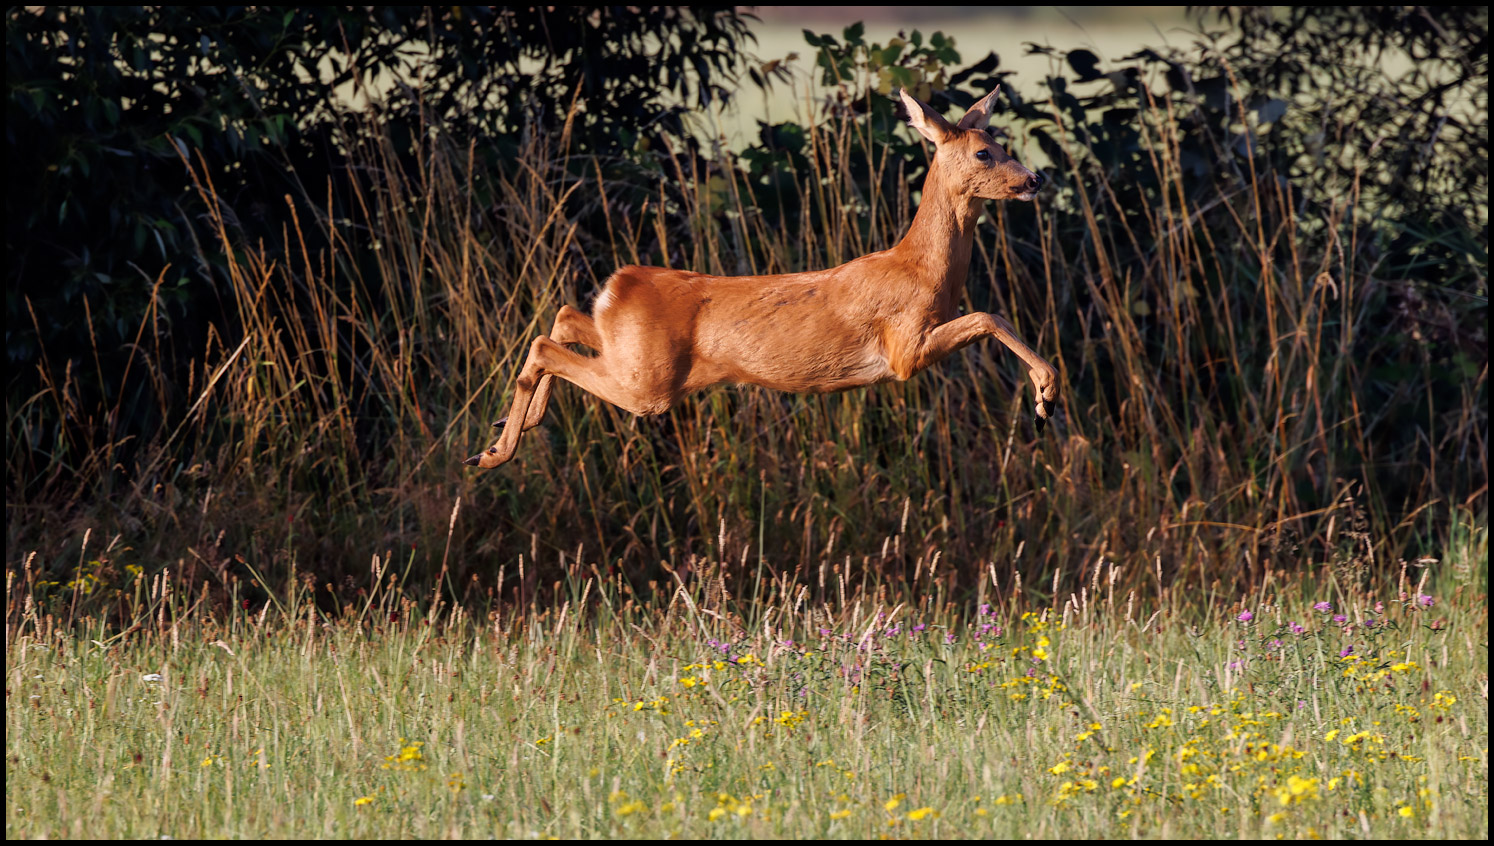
pixel 943 232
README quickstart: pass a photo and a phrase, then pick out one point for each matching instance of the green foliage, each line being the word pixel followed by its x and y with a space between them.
pixel 104 225
pixel 1397 121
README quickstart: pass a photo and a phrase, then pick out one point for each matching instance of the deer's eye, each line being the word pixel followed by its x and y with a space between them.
pixel 982 155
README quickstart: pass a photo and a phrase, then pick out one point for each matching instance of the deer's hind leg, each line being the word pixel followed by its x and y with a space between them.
pixel 572 326
pixel 548 359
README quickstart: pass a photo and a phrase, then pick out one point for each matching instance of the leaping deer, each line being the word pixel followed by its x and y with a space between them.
pixel 660 334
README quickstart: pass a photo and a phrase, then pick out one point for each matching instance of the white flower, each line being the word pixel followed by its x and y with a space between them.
pixel 152 677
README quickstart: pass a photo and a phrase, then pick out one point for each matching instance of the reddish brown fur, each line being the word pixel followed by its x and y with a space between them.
pixel 661 334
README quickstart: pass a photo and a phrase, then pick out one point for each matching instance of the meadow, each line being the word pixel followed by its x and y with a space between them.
pixel 731 707
pixel 1237 588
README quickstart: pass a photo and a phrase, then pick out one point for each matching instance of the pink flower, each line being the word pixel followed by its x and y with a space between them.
pixel 1245 617
pixel 1324 607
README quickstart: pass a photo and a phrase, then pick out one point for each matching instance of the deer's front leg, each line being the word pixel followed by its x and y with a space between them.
pixel 969 328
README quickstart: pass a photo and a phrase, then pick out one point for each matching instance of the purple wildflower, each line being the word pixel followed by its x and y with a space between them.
pixel 1296 629
pixel 918 628
pixel 1324 607
pixel 1245 617
pixel 949 637
pixel 1424 601
pixel 1339 618
pixel 985 609
pixel 1346 651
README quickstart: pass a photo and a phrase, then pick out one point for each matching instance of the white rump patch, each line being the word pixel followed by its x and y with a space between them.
pixel 603 301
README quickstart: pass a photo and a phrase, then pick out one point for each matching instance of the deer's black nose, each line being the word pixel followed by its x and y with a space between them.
pixel 1034 182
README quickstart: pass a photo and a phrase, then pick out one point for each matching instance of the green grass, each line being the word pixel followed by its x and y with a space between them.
pixel 733 706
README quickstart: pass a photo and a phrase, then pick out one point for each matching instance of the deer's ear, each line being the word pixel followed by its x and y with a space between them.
pixel 929 123
pixel 980 113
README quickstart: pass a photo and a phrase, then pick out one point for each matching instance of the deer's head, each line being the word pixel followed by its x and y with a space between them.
pixel 971 159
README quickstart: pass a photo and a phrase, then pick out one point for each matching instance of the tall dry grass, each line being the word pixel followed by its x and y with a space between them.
pixel 1214 424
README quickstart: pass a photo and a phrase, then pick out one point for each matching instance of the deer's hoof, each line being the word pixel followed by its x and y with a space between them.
pixel 473 461
pixel 1044 411
pixel 500 423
